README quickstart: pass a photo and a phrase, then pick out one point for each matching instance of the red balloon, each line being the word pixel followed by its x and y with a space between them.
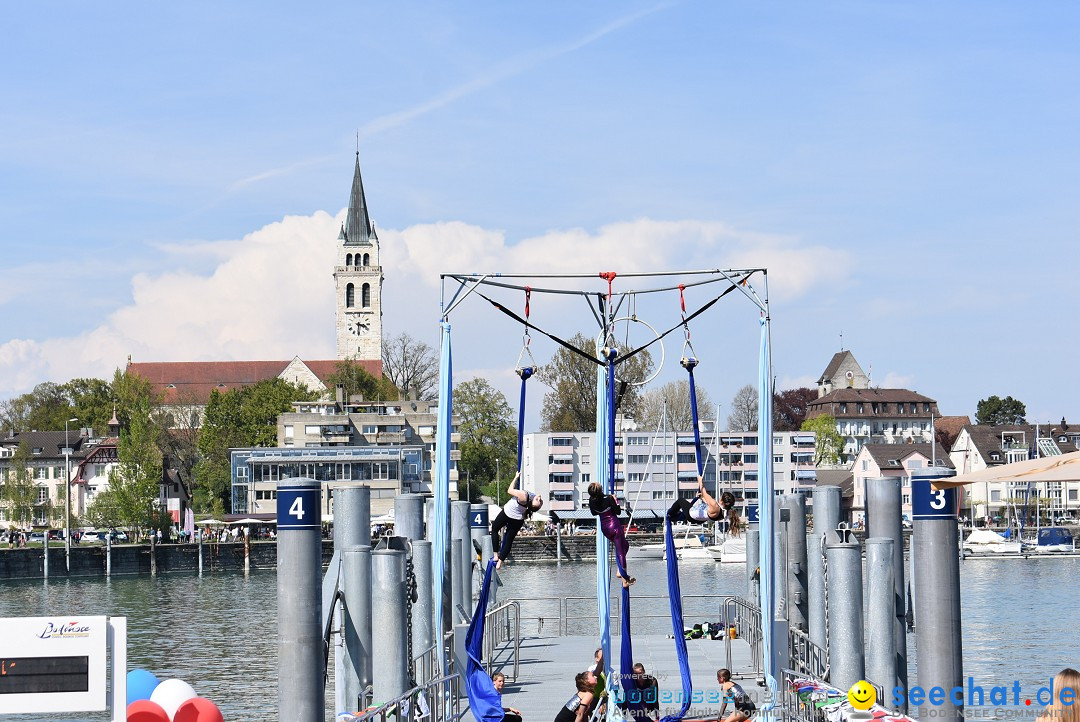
pixel 143 710
pixel 197 709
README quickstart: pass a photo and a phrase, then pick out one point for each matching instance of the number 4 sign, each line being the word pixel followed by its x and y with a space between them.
pixel 298 507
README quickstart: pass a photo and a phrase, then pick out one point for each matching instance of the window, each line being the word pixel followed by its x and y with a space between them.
pixel 39 449
pixel 559 460
pixel 99 470
pixel 585 441
pixel 586 459
pixel 637 458
pixel 865 465
pixel 906 498
pixel 750 440
pixel 312 429
pixel 368 429
pixel 365 295
pixel 749 458
pixel 899 408
pixel 860 408
pixel 350 296
pixel 637 441
pixel 926 407
pixel 913 407
pixel 778 459
pixel 42 495
pixel 842 408
pixel 288 431
pixel 915 464
pixel 687 458
pixel 663 458
pixel 637 476
pixel 1072 495
pixel 995 495
pixel 562 441
pixel 58 472
pixel 42 472
pixel 585 478
pixel 778 441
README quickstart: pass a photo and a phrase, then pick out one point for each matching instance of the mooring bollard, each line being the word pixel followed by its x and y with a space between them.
pixel 389 637
pixel 797 589
pixel 356 583
pixel 881 658
pixel 409 516
pixel 845 593
pixel 884 509
pixel 299 589
pixel 422 610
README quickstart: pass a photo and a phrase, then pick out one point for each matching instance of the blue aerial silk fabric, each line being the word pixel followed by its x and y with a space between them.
pixel 485 703
pixel 677 628
pixel 765 514
pixel 603 571
pixel 439 535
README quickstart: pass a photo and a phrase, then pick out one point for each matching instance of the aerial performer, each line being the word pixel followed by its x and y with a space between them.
pixel 513 516
pixel 704 507
pixel 607 508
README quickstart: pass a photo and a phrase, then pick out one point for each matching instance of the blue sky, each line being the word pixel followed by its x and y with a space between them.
pixel 173 177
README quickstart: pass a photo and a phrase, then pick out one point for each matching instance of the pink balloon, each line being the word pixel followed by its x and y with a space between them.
pixel 143 710
pixel 198 709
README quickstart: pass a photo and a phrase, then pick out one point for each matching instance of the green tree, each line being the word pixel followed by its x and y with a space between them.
pixel 237 418
pixel 411 365
pixel 996 411
pixel 91 403
pixel 487 433
pixel 355 379
pixel 135 480
pixel 132 395
pixel 571 403
pixel 104 510
pixel 744 410
pixel 828 444
pixel 19 493
pixel 675 397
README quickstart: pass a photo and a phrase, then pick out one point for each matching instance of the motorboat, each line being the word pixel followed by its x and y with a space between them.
pixel 1053 540
pixel 988 542
pixel 731 551
pixel 683 545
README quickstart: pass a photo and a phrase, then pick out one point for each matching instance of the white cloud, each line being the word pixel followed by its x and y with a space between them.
pixel 270 294
pixel 894 380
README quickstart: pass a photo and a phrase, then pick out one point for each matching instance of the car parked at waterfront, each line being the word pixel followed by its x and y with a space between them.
pixel 36 537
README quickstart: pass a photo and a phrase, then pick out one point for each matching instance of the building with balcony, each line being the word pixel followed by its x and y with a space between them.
pixel 982 446
pixel 653 469
pixel 388 445
pixel 877 416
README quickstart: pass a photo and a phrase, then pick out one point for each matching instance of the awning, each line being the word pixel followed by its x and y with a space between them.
pixel 1064 467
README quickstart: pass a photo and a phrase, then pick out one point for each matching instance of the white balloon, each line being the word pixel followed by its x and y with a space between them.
pixel 172 693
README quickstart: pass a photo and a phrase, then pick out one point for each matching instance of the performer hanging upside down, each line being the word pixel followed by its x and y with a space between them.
pixel 703 508
pixel 604 506
pixel 513 515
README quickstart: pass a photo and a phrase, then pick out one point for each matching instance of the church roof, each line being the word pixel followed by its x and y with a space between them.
pixel 191 382
pixel 358 229
pixel 834 365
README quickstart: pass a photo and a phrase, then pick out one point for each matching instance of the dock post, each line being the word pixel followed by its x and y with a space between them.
pixel 45 553
pixel 753 563
pixel 389 638
pixel 845 594
pixel 299 589
pixel 198 537
pixel 352 529
pixel 108 556
pixel 459 529
pixel 936 571
pixel 422 611
pixel 884 509
pixel 827 511
pixel 486 553
pixel 815 588
pixel 153 553
pixel 457 597
pixel 797 590
pixel 409 516
pixel 353 676
pixel 881 657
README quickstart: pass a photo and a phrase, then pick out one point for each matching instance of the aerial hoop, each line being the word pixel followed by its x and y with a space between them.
pixel 604 339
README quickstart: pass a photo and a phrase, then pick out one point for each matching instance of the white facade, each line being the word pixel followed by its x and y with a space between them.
pixel 358 282
pixel 653 469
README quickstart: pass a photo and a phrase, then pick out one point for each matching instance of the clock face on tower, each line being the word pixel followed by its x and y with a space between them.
pixel 357 327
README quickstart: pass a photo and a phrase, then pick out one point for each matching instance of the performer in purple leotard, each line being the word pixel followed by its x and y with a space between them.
pixel 604 506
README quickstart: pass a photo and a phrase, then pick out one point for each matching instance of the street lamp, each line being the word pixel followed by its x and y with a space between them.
pixel 67 497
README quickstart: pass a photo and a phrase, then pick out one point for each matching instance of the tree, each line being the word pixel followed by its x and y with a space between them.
pixel 744 410
pixel 135 480
pixel 571 403
pixel 355 379
pixel 178 438
pixel 996 411
pixel 91 403
pixel 411 366
pixel 828 444
pixel 487 432
pixel 790 407
pixel 675 395
pixel 19 493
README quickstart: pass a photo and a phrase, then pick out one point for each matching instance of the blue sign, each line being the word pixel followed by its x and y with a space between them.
pixel 752 513
pixel 478 517
pixel 930 503
pixel 298 507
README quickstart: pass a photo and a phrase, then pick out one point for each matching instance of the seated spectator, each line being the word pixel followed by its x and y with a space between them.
pixel 509 713
pixel 643 701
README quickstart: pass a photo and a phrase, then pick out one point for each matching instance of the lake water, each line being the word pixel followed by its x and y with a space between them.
pixel 219 633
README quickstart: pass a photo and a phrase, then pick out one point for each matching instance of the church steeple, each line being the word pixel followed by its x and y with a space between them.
pixel 358 229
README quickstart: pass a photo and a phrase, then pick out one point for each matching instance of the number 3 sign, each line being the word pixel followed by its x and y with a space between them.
pixel 930 503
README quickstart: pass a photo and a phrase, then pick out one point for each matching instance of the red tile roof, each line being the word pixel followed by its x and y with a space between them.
pixel 190 382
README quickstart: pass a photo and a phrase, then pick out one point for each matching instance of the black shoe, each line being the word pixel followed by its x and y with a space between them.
pixel 478 548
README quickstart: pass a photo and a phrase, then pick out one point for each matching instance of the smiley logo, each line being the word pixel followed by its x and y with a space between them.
pixel 862 695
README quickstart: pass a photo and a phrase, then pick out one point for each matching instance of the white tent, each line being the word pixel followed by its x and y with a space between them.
pixel 1064 467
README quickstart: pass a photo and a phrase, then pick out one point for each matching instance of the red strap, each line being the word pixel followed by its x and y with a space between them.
pixel 528 295
pixel 682 299
pixel 608 276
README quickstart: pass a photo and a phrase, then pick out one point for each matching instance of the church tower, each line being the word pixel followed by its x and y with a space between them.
pixel 358 281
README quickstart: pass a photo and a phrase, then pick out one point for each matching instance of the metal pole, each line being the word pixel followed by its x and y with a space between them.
pixel 827 510
pixel 881 657
pixel 884 510
pixel 457 598
pixel 199 536
pixel 352 516
pixel 352 529
pixel 422 611
pixel 389 638
pixel 409 516
pixel 459 529
pixel 797 584
pixel 301 694
pixel 355 676
pixel 845 595
pixel 45 552
pixel 780 578
pixel 936 572
pixel 815 580
pixel 753 562
pixel 108 555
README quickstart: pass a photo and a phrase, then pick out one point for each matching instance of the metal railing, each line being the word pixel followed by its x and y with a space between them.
pixel 437 701
pixel 805 656
pixel 502 626
pixel 563 616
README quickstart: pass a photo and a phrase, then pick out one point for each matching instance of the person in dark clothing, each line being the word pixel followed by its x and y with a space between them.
pixel 607 509
pixel 576 708
pixel 643 701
